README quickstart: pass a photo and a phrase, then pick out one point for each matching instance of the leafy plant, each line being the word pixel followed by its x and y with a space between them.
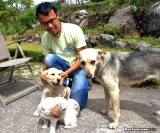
pixel 85 30
pixel 113 30
pixel 37 56
pixel 38 29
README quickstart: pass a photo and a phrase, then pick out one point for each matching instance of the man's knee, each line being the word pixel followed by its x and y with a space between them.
pixel 49 59
pixel 80 96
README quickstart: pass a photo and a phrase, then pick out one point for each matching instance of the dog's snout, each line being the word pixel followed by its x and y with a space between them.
pixel 58 80
pixel 89 76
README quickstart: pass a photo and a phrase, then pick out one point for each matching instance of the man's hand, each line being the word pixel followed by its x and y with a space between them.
pixel 62 80
pixel 64 75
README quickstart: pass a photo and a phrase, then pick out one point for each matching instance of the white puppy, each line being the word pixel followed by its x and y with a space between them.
pixel 58 108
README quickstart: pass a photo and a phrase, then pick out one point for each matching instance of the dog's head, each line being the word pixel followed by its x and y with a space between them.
pixel 90 58
pixel 53 76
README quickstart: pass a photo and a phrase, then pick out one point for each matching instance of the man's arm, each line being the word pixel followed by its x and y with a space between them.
pixel 77 63
pixel 75 66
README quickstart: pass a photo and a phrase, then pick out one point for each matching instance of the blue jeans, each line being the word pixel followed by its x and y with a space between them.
pixel 79 89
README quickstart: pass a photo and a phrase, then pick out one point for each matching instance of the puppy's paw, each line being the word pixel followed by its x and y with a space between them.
pixel 36 114
pixel 104 112
pixel 157 113
pixel 112 125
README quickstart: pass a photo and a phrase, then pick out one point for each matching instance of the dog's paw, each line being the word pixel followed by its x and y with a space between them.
pixel 70 126
pixel 157 113
pixel 44 126
pixel 104 112
pixel 112 126
pixel 36 114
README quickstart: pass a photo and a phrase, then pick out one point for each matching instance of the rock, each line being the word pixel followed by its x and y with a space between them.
pixel 84 22
pixel 87 38
pixel 151 22
pixel 155 49
pixel 77 21
pixel 81 17
pixel 30 41
pixel 83 12
pixel 120 44
pixel 106 40
pixel 93 40
pixel 72 19
pixel 125 19
pixel 131 45
pixel 143 46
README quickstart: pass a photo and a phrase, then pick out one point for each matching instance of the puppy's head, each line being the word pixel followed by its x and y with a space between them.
pixel 54 76
pixel 89 59
pixel 58 110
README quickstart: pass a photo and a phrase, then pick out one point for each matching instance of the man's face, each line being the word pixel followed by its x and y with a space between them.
pixel 50 23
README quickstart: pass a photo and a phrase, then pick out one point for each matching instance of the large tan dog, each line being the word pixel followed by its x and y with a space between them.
pixel 114 69
pixel 52 89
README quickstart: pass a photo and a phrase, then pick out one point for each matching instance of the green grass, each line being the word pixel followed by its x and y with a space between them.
pixel 137 38
pixel 28 46
pixel 112 49
pixel 24 45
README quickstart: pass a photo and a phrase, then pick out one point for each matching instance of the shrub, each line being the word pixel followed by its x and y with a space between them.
pixel 92 6
pixel 85 30
pixel 25 20
pixel 3 29
pixel 38 29
pixel 113 30
pixel 37 56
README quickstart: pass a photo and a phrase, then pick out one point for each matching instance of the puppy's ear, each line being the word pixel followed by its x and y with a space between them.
pixel 100 54
pixel 44 74
pixel 55 111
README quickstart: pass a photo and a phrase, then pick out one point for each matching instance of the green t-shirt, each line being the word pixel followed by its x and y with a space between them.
pixel 65 45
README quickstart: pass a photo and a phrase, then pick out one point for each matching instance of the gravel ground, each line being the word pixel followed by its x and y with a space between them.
pixel 137 107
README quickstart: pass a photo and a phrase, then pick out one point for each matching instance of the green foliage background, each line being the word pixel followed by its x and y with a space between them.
pixel 18 16
pixel 18 19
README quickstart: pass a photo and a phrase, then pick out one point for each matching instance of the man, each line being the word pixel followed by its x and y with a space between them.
pixel 60 44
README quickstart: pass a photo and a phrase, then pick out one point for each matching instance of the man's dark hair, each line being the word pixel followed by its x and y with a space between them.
pixel 44 8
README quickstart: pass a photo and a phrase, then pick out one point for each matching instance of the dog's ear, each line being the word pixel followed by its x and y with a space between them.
pixel 44 74
pixel 78 55
pixel 55 111
pixel 100 54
